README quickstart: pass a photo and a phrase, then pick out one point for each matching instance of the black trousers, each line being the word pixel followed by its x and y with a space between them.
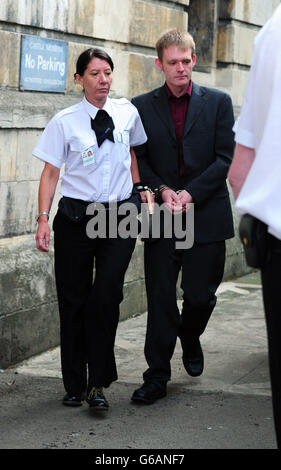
pixel 271 281
pixel 202 272
pixel 88 307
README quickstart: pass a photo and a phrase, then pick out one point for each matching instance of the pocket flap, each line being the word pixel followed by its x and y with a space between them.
pixel 79 145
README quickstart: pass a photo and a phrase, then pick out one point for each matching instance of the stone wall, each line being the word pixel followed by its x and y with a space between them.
pixel 127 29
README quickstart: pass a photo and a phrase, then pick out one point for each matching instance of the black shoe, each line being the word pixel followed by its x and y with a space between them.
pixel 96 399
pixel 192 358
pixel 73 400
pixel 149 392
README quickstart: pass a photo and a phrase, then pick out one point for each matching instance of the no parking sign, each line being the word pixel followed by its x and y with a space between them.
pixel 43 64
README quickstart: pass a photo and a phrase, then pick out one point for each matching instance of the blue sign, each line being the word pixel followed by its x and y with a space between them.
pixel 43 65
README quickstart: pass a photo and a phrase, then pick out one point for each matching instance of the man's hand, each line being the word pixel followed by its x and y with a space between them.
pixel 170 199
pixel 176 202
pixel 184 199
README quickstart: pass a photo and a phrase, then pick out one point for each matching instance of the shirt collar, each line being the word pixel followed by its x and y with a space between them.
pixel 92 110
pixel 187 92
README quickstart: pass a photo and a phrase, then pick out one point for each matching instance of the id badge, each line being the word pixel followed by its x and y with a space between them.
pixel 88 156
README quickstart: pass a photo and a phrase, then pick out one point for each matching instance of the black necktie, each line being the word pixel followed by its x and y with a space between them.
pixel 103 126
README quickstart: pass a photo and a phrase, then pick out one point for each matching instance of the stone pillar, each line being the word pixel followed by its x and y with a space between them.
pixel 202 17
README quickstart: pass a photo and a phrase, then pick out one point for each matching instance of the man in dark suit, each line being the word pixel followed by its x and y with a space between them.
pixel 185 160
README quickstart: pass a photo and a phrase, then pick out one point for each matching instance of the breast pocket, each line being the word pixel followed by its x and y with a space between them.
pixel 84 153
pixel 123 143
pixel 123 137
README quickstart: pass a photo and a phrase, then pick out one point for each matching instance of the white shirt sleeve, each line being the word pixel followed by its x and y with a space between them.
pixel 137 132
pixel 51 147
pixel 244 125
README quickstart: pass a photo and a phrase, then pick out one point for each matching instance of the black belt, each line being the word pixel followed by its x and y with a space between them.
pixel 106 205
pixel 75 209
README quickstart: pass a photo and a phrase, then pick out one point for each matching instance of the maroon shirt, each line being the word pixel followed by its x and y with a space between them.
pixel 179 107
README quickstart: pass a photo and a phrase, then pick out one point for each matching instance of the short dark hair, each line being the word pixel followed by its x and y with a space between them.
pixel 86 57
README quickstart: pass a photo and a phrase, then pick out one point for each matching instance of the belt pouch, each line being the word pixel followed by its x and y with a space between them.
pixel 73 209
pixel 254 236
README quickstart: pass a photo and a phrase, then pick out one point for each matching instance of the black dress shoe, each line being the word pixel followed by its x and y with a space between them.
pixel 149 392
pixel 192 358
pixel 73 400
pixel 96 399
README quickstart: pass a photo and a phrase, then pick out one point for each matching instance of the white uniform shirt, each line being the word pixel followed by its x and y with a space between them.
pixel 259 127
pixel 92 173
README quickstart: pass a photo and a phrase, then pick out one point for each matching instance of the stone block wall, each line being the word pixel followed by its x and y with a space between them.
pixel 238 23
pixel 224 31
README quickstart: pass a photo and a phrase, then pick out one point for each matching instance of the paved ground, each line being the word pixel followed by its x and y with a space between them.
pixel 228 407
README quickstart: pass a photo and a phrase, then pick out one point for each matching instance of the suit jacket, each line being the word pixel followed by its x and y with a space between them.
pixel 208 145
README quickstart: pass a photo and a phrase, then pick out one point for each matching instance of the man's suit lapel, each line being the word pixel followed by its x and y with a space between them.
pixel 161 106
pixel 196 104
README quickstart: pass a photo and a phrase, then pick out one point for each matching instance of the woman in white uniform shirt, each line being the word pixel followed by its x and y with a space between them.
pixel 95 171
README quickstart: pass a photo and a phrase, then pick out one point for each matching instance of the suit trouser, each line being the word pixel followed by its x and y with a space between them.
pixel 89 310
pixel 271 281
pixel 202 271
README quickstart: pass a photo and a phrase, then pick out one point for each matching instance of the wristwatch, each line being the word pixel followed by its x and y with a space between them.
pixel 42 213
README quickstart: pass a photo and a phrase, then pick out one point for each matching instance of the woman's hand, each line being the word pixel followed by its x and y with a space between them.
pixel 148 198
pixel 43 234
pixel 47 187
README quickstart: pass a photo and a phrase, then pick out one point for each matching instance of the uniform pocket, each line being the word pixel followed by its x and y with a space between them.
pixel 84 152
pixel 79 145
pixel 123 137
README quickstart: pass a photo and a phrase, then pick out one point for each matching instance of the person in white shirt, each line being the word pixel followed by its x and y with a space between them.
pixel 255 177
pixel 94 140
